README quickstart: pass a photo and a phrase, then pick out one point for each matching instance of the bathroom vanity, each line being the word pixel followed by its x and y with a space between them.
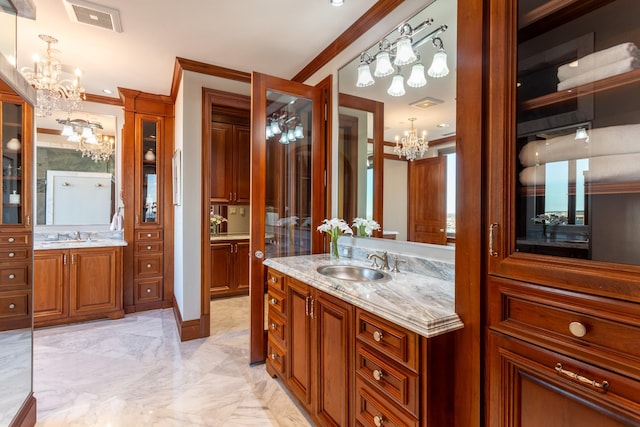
pixel 362 352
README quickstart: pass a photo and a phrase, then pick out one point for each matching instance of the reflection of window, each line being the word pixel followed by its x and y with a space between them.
pixel 451 193
pixel 564 190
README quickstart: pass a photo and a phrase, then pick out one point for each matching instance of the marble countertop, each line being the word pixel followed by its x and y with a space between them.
pixel 68 244
pixel 420 303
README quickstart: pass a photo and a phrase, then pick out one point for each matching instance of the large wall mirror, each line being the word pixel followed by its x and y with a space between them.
pixel 77 160
pixel 418 191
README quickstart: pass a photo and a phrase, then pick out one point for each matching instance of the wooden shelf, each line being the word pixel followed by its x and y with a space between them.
pixel 590 188
pixel 608 83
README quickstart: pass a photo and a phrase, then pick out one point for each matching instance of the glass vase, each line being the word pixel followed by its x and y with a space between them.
pixel 334 247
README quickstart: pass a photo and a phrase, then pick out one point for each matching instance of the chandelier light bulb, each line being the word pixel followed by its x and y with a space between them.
pixel 404 52
pixel 364 76
pixel 439 65
pixel 417 78
pixel 397 86
pixel 383 64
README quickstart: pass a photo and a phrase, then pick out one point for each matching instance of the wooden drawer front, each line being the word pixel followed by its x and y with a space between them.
pixel 388 378
pixel 276 358
pixel 148 290
pixel 393 341
pixel 14 304
pixel 275 280
pixel 149 235
pixel 14 276
pixel 548 318
pixel 277 327
pixel 15 239
pixel 148 247
pixel 21 254
pixel 276 301
pixel 149 265
pixel 371 407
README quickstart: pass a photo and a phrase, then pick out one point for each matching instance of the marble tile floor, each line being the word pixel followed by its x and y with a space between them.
pixel 135 372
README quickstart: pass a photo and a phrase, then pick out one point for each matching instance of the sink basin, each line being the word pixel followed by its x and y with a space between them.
pixel 353 272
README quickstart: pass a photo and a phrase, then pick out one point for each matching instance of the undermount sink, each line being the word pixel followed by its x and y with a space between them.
pixel 353 272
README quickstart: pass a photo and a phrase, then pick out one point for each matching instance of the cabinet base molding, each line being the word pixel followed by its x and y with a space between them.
pixel 113 315
pixel 27 415
pixel 134 308
pixel 190 329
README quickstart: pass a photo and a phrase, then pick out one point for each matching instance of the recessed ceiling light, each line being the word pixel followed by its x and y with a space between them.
pixel 337 2
pixel 107 91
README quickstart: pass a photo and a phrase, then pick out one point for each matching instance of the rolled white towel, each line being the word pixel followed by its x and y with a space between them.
pixel 613 69
pixel 598 59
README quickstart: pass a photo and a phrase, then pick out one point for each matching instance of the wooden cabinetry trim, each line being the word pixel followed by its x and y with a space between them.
pixel 26 417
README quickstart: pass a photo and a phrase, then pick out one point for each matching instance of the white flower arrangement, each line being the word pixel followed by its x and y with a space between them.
pixel 216 220
pixel 365 227
pixel 334 227
pixel 287 221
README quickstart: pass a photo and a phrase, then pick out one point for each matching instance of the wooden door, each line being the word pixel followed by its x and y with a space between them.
pixel 309 106
pixel 242 164
pixel 221 162
pixel 50 290
pixel 299 341
pixel 242 267
pixel 93 281
pixel 427 182
pixel 221 273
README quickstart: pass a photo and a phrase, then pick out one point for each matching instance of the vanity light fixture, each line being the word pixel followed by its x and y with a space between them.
pixel 410 145
pixel 89 137
pixel 336 2
pixel 390 56
pixel 287 126
pixel 581 134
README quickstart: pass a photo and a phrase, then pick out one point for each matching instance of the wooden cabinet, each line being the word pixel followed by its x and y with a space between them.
pixel 16 124
pixel 230 163
pixel 563 251
pixel 229 268
pixel 72 285
pixel 148 218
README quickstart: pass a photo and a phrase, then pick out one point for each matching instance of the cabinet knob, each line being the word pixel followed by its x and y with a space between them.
pixel 11 254
pixel 148 234
pixel 274 326
pixel 12 306
pixel 12 276
pixel 377 375
pixel 148 290
pixel 11 240
pixel 377 336
pixel 378 420
pixel 274 356
pixel 577 329
pixel 274 279
pixel 274 301
pixel 148 247
pixel 148 265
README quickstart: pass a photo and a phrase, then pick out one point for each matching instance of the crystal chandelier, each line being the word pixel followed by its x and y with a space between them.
pixel 410 145
pixel 52 93
pixel 91 142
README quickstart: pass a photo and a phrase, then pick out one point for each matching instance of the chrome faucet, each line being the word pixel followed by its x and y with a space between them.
pixel 76 236
pixel 384 259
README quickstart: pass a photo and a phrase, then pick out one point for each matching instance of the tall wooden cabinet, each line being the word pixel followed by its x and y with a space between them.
pixel 230 161
pixel 148 200
pixel 563 239
pixel 16 243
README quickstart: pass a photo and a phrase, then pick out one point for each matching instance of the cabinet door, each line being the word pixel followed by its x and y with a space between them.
pixel 221 162
pixel 299 339
pixel 333 341
pixel 149 161
pixel 242 164
pixel 93 281
pixel 50 290
pixel 563 178
pixel 221 273
pixel 242 266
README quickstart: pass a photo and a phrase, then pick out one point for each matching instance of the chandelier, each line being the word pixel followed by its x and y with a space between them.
pixel 52 93
pixel 391 56
pixel 88 135
pixel 410 145
pixel 284 126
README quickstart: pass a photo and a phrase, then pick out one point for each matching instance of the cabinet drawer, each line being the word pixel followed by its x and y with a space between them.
pixel 14 304
pixel 277 327
pixel 20 254
pixel 148 247
pixel 276 358
pixel 395 342
pixel 275 280
pixel 388 378
pixel 150 265
pixel 373 409
pixel 148 290
pixel 149 235
pixel 14 239
pixel 14 276
pixel 276 301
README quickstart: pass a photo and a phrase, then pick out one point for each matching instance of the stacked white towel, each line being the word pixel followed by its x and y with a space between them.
pixel 599 65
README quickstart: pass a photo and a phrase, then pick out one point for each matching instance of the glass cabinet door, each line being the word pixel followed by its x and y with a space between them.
pixel 150 155
pixel 572 153
pixel 12 163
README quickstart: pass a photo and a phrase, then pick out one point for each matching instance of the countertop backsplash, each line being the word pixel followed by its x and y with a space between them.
pixel 63 234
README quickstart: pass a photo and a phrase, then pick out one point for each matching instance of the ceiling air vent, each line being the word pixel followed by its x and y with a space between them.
pixel 427 102
pixel 94 14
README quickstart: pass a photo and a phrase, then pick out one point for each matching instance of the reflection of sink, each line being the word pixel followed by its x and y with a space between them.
pixel 352 272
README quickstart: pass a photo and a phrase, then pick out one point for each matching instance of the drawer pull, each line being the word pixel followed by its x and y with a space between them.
pixel 149 247
pixel 377 336
pixel 274 301
pixel 11 254
pixel 274 356
pixel 378 420
pixel 377 374
pixel 12 276
pixel 11 240
pixel 601 386
pixel 148 234
pixel 148 265
pixel 274 279
pixel 274 326
pixel 12 306
pixel 148 290
pixel 577 329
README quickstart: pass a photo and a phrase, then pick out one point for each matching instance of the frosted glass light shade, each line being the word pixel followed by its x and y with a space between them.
pixel 74 137
pixel 404 52
pixel 581 134
pixel 14 144
pixel 397 86
pixel 290 136
pixel 364 76
pixel 299 132
pixel 383 65
pixel 283 139
pixel 439 65
pixel 275 128
pixel 87 133
pixel 417 78
pixel 67 130
pixel 269 133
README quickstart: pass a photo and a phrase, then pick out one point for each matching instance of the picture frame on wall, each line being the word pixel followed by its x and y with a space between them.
pixel 177 177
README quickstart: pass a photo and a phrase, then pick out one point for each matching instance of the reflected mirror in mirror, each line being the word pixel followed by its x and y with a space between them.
pixel 75 162
pixel 417 189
